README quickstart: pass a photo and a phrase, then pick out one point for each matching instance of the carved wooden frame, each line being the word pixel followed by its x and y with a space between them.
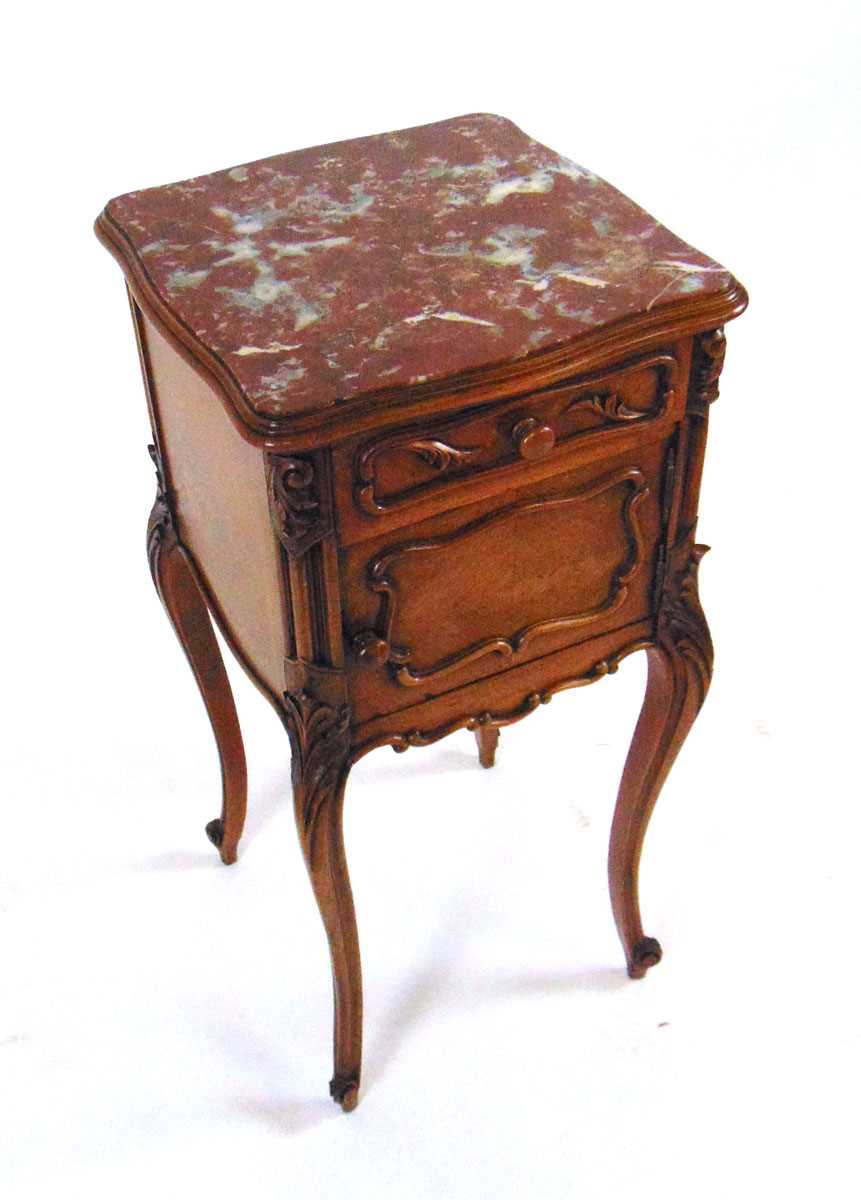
pixel 401 742
pixel 431 444
pixel 381 582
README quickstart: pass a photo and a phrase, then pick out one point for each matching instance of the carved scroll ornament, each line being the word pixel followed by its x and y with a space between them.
pixel 439 454
pixel 299 515
pixel 161 524
pixel 400 742
pixel 433 450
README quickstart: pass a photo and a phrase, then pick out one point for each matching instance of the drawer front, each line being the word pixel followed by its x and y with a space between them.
pixel 488 586
pixel 385 478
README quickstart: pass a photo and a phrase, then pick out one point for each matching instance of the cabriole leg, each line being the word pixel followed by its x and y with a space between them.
pixel 680 667
pixel 319 735
pixel 185 606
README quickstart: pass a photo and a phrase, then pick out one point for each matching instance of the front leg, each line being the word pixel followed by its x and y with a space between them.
pixel 680 662
pixel 680 668
pixel 183 601
pixel 319 736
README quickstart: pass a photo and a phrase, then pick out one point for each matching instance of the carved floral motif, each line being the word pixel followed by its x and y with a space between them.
pixel 612 406
pixel 439 454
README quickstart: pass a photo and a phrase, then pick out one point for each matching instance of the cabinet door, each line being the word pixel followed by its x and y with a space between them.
pixel 490 585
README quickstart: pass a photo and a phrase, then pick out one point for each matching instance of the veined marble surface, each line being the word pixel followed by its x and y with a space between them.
pixel 389 260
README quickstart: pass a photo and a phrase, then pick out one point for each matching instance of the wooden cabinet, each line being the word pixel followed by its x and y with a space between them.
pixel 429 415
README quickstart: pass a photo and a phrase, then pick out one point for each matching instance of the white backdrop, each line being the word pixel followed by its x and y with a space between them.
pixel 165 1021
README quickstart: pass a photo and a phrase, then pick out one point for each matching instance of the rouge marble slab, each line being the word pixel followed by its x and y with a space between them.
pixel 319 277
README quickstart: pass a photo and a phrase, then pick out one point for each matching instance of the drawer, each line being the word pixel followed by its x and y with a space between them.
pixel 385 479
pixel 488 586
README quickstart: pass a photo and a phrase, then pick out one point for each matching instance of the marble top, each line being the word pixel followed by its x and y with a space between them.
pixel 385 261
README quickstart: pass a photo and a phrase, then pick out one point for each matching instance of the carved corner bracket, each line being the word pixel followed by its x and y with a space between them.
pixel 318 725
pixel 682 625
pixel 299 507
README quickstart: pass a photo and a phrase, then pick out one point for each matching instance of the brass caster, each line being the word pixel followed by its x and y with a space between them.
pixel 647 953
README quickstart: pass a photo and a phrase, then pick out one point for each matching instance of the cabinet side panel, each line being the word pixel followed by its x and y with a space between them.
pixel 218 487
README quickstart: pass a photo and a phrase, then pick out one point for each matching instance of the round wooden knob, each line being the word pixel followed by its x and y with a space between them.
pixel 532 439
pixel 370 649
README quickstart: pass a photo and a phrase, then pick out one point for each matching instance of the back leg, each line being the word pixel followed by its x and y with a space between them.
pixel 181 596
pixel 487 737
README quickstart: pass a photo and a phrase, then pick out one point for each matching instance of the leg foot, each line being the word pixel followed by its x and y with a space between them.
pixel 215 833
pixel 344 1092
pixel 647 953
pixel 184 603
pixel 487 737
